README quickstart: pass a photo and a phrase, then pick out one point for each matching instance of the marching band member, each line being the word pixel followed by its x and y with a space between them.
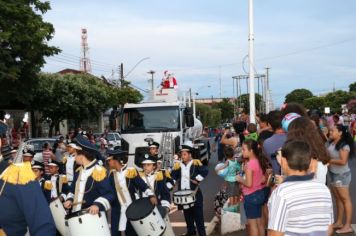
pixel 38 170
pixel 155 181
pixel 55 185
pixel 21 199
pixel 189 173
pixel 153 150
pixel 90 188
pixel 69 162
pixel 125 182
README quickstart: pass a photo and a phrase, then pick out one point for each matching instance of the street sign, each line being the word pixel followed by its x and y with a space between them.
pixel 327 110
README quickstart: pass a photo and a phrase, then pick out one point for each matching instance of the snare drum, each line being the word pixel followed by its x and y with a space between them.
pixel 184 197
pixel 145 218
pixel 59 214
pixel 84 223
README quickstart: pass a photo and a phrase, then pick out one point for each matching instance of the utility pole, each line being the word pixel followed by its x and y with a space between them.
pixel 251 63
pixel 152 83
pixel 122 75
pixel 267 95
pixel 220 80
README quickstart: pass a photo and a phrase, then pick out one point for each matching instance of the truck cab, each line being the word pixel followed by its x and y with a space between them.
pixel 164 119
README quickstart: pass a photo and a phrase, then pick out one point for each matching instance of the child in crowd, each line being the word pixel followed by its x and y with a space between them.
pixel 253 187
pixel 252 132
pixel 230 178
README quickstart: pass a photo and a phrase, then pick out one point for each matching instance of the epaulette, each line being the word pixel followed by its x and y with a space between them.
pixel 64 179
pixel 79 169
pixel 20 173
pixel 168 174
pixel 159 176
pixel 176 166
pixel 99 173
pixel 64 160
pixel 141 173
pixel 131 173
pixel 197 162
pixel 48 185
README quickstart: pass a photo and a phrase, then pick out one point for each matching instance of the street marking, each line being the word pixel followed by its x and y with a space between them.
pixel 183 224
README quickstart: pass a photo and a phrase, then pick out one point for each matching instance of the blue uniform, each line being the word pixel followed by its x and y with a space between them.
pixel 193 214
pixel 157 183
pixel 62 187
pixel 133 184
pixel 23 207
pixel 97 190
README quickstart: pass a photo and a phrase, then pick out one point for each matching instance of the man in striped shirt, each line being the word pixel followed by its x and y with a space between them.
pixel 299 206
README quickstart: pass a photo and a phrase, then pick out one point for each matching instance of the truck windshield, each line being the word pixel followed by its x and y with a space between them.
pixel 150 119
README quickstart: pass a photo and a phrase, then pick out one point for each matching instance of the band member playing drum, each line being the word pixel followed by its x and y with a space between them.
pixel 90 188
pixel 69 164
pixel 125 182
pixel 189 173
pixel 155 181
pixel 55 185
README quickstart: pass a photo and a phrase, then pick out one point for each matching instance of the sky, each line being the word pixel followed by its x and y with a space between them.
pixel 306 43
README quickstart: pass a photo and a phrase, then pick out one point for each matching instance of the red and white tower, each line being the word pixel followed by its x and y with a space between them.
pixel 85 64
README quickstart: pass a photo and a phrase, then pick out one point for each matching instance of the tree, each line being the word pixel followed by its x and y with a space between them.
pixel 352 87
pixel 226 108
pixel 244 100
pixel 298 95
pixel 24 40
pixel 335 99
pixel 209 116
pixel 314 103
pixel 76 96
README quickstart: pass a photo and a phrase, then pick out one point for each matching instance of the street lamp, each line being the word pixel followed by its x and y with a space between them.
pixel 139 62
pixel 152 73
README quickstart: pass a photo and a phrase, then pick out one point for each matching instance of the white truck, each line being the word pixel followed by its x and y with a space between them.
pixel 164 118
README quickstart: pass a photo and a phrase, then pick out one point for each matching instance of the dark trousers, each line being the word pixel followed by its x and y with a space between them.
pixel 195 215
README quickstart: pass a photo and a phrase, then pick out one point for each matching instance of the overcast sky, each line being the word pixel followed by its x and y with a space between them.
pixel 306 43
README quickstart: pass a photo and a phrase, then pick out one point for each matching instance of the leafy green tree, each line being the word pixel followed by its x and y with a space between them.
pixel 298 95
pixel 314 103
pixel 226 108
pixel 24 38
pixel 209 116
pixel 352 87
pixel 244 101
pixel 335 99
pixel 77 97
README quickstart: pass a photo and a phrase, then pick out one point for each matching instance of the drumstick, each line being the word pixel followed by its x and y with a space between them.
pixel 77 203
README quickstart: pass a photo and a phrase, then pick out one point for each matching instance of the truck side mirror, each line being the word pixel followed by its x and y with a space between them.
pixel 188 116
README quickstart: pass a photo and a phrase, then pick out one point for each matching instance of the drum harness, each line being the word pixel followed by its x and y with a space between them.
pixel 119 189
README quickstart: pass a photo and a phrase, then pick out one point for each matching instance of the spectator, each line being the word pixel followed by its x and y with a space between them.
pixel 253 187
pixel 252 132
pixel 265 130
pixel 276 141
pixel 61 148
pixel 316 120
pixel 293 107
pixel 304 129
pixel 230 178
pixel 300 205
pixel 47 154
pixel 340 149
pixel 217 146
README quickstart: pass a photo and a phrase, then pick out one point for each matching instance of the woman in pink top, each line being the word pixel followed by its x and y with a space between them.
pixel 253 187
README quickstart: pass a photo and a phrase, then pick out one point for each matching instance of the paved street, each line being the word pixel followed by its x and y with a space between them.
pixel 210 187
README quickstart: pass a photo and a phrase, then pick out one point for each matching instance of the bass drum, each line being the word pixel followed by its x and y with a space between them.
pixel 83 223
pixel 145 218
pixel 169 230
pixel 59 215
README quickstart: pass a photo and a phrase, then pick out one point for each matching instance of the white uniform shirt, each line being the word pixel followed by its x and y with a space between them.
pixel 121 177
pixel 83 180
pixel 185 180
pixel 150 181
pixel 70 167
pixel 54 186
